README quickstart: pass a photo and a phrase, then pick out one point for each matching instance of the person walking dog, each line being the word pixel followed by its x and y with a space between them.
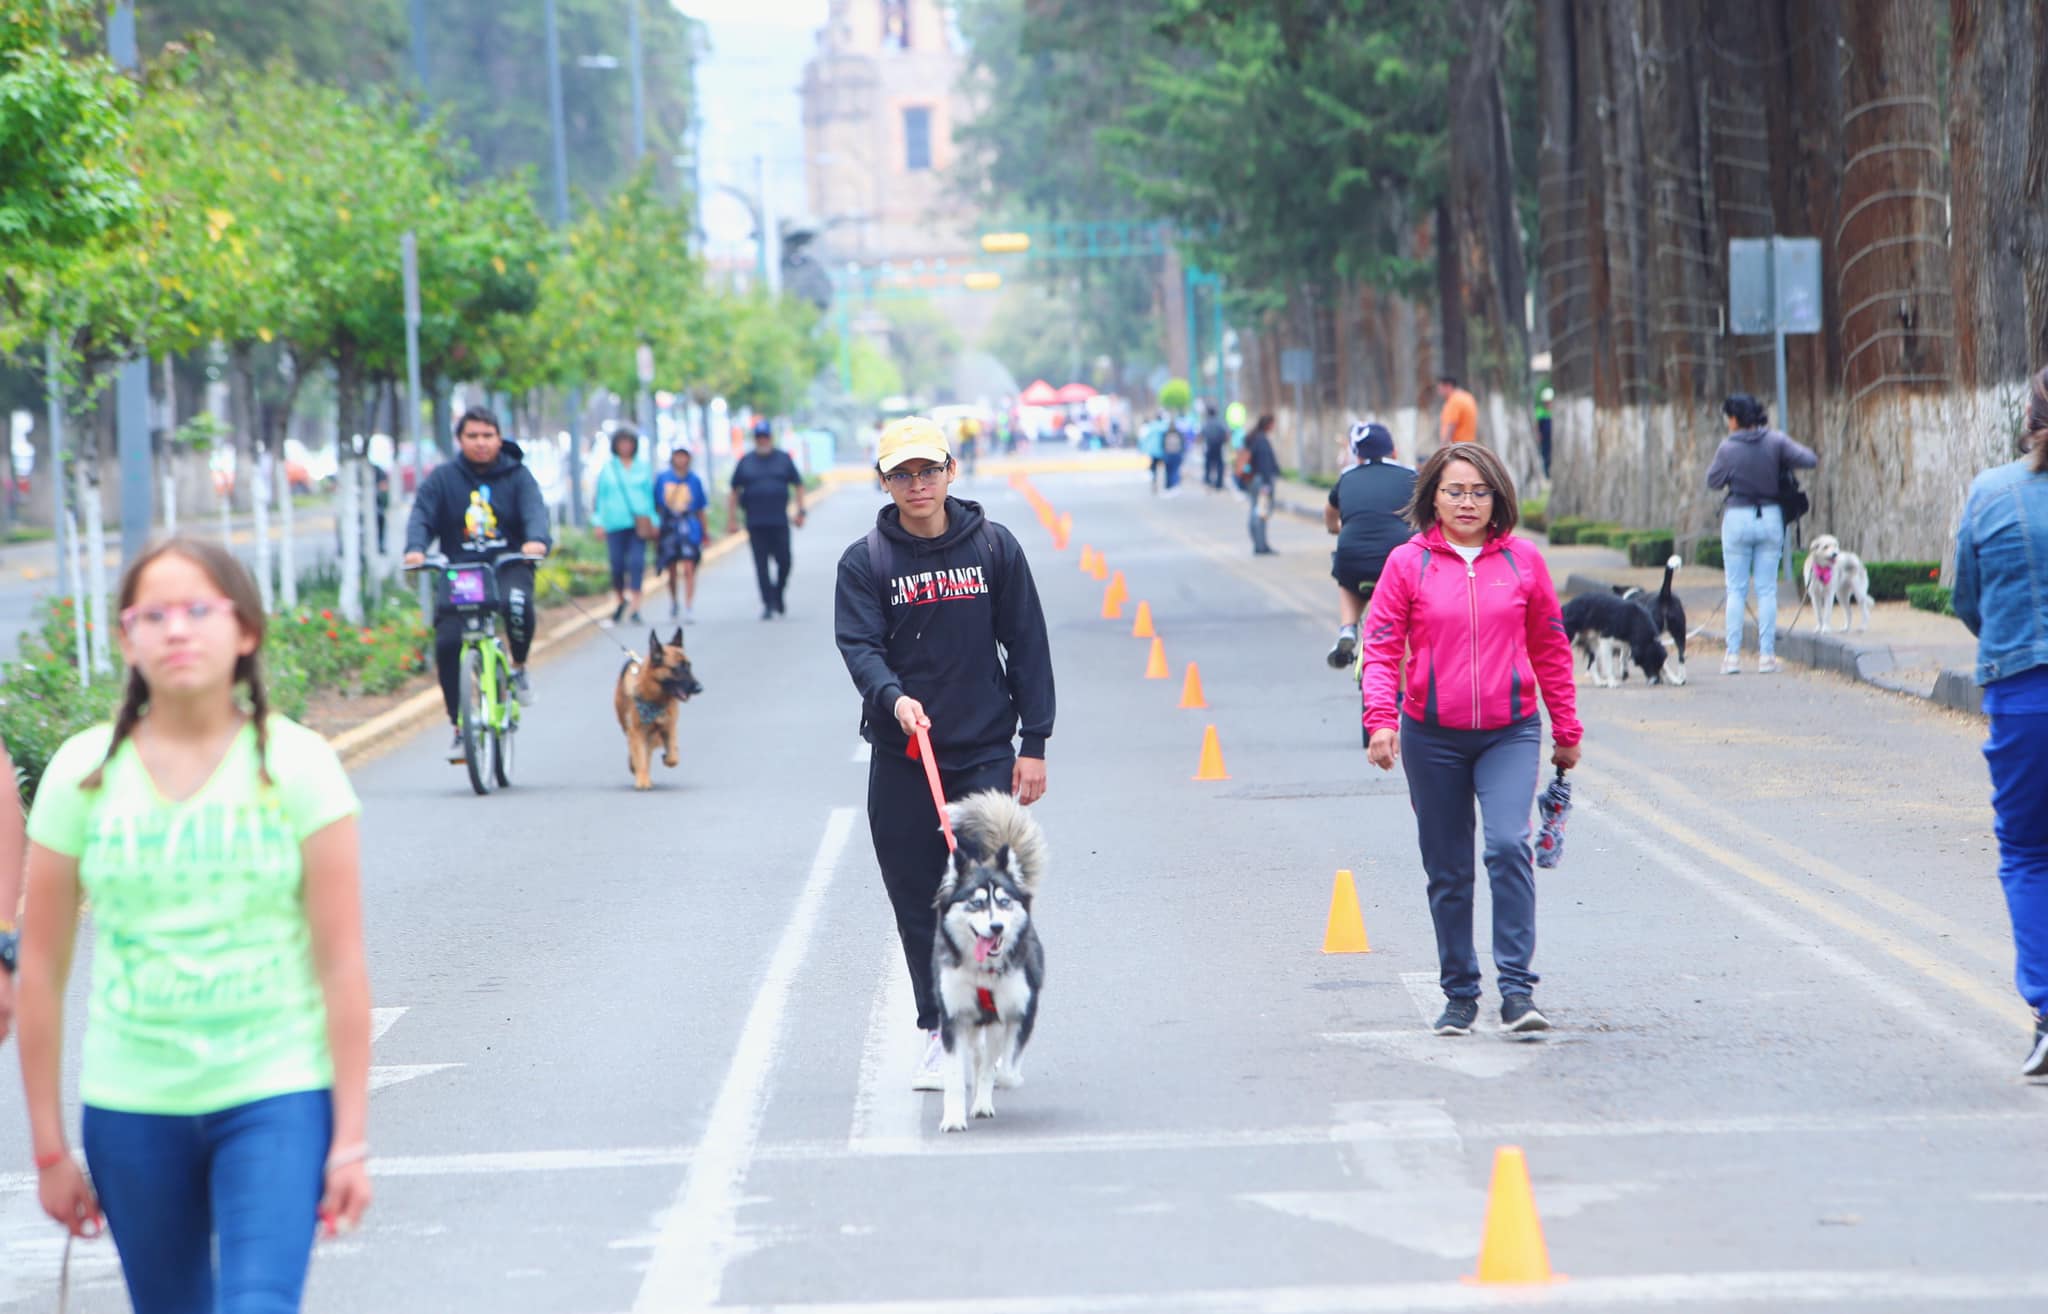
pixel 1751 464
pixel 940 626
pixel 2000 586
pixel 226 1073
pixel 1471 610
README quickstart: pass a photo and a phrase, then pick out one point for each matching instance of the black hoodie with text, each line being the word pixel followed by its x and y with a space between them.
pixel 475 514
pixel 956 625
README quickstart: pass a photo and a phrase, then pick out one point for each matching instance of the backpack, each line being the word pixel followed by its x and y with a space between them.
pixel 1792 500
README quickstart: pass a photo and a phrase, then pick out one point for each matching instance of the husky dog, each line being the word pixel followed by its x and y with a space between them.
pixel 1836 575
pixel 986 959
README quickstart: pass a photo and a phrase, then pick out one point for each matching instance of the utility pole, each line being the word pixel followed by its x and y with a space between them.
pixel 639 81
pixel 131 388
pixel 419 48
pixel 561 150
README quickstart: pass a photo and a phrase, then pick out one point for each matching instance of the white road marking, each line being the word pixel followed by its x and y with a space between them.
pixel 1908 1004
pixel 383 1019
pixel 1767 1289
pixel 1485 1054
pixel 384 1076
pixel 885 1109
pixel 699 1234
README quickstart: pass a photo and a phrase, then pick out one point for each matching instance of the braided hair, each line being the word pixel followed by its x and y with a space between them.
pixel 236 585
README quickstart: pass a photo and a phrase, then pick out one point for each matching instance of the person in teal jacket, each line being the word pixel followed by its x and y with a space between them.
pixel 624 513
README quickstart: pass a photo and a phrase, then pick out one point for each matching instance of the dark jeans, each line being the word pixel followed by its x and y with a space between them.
pixel 248 1177
pixel 911 851
pixel 1212 464
pixel 2017 753
pixel 628 552
pixel 770 544
pixel 1173 460
pixel 1447 771
pixel 515 586
pixel 1261 491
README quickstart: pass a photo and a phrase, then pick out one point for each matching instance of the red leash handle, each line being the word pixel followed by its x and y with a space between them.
pixel 923 750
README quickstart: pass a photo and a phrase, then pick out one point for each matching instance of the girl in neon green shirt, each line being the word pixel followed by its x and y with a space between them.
pixel 227 1044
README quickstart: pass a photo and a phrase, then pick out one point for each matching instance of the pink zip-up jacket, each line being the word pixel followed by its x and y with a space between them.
pixel 1481 640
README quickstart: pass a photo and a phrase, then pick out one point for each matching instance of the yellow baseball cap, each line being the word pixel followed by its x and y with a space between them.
pixel 912 438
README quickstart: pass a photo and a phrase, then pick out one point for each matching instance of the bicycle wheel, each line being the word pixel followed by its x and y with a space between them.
pixel 479 744
pixel 506 737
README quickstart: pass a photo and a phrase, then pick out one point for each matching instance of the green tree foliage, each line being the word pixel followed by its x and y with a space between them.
pixel 923 343
pixel 874 374
pixel 356 43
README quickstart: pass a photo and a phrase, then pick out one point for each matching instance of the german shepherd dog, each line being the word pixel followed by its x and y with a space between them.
pixel 646 696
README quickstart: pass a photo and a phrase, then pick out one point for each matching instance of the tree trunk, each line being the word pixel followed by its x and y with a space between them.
pixel 95 568
pixel 2034 202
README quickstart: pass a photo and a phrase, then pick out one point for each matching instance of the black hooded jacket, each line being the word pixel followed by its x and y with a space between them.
pixel 961 631
pixel 511 508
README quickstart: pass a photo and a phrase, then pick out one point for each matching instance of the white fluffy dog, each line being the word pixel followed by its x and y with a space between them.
pixel 1833 574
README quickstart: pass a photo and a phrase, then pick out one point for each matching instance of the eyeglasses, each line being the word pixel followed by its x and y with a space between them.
pixel 1477 493
pixel 931 474
pixel 154 618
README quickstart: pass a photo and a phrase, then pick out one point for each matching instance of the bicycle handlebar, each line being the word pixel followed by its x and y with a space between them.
pixel 440 561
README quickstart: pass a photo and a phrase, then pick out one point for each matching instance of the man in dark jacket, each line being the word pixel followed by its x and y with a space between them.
pixel 1367 512
pixel 1264 479
pixel 762 482
pixel 476 506
pixel 1214 439
pixel 940 626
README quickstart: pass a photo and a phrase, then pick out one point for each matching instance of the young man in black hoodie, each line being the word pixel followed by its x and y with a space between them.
pixel 940 626
pixel 476 506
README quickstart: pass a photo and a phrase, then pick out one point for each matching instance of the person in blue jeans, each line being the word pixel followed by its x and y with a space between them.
pixel 1749 464
pixel 624 512
pixel 2001 593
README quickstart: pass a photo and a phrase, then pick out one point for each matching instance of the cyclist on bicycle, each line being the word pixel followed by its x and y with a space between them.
pixel 1367 512
pixel 476 507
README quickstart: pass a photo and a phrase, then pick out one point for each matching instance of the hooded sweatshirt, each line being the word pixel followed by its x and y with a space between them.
pixel 476 514
pixel 1748 462
pixel 932 630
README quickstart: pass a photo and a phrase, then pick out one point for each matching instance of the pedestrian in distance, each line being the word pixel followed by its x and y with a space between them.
pixel 13 847
pixel 476 507
pixel 624 515
pixel 763 482
pixel 1152 441
pixel 1215 437
pixel 225 1079
pixel 1543 400
pixel 1471 609
pixel 1175 450
pixel 2001 593
pixel 1262 476
pixel 680 497
pixel 1754 462
pixel 940 626
pixel 1458 421
pixel 1368 511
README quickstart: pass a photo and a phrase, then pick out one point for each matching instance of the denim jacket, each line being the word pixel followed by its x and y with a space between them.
pixel 2001 589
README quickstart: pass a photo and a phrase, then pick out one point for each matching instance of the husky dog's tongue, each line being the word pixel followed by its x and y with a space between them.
pixel 984 945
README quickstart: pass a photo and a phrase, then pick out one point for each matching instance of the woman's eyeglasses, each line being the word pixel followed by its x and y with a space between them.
pixel 1453 493
pixel 153 618
pixel 907 478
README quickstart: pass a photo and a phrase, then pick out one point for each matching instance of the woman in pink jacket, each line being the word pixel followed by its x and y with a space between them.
pixel 1471 609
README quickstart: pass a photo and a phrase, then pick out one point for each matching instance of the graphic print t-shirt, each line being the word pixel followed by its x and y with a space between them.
pixel 693 532
pixel 203 989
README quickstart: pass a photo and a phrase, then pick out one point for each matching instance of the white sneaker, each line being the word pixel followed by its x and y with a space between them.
pixel 1731 665
pixel 1767 666
pixel 928 1075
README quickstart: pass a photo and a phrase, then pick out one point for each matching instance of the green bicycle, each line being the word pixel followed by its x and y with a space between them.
pixel 486 711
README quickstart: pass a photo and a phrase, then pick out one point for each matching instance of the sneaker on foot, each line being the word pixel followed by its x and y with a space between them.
pixel 635 618
pixel 928 1075
pixel 618 613
pixel 1343 651
pixel 767 611
pixel 1518 1013
pixel 1731 665
pixel 522 688
pixel 2037 1060
pixel 1458 1017
pixel 1767 666
pixel 456 753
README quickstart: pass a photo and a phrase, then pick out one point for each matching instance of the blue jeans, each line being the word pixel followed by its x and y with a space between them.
pixel 1261 491
pixel 629 559
pixel 1752 542
pixel 1449 771
pixel 2017 753
pixel 250 1177
pixel 1173 460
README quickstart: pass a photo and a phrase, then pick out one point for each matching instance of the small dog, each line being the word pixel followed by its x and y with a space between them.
pixel 1605 627
pixel 1667 613
pixel 1833 574
pixel 646 696
pixel 986 959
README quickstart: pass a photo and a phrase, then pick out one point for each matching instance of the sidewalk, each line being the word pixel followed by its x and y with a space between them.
pixel 1904 650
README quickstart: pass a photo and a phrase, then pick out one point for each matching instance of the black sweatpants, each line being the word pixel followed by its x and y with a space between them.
pixel 515 586
pixel 911 851
pixel 770 543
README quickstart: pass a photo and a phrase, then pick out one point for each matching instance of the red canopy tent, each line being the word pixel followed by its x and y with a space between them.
pixel 1039 393
pixel 1074 392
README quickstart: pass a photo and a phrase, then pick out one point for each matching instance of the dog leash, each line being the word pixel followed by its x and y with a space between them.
pixel 922 750
pixel 596 624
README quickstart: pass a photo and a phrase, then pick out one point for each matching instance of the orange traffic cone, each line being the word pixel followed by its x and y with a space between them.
pixel 1141 628
pixel 1066 525
pixel 1344 932
pixel 1191 690
pixel 1512 1251
pixel 1101 570
pixel 1155 665
pixel 1087 559
pixel 1211 767
pixel 1112 605
pixel 1118 587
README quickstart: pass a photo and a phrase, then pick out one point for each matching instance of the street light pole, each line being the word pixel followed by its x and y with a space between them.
pixel 561 161
pixel 639 81
pixel 131 389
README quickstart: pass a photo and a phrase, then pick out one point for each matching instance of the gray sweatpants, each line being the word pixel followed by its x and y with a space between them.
pixel 1447 770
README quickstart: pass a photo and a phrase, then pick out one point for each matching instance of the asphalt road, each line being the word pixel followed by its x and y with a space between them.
pixel 651 1053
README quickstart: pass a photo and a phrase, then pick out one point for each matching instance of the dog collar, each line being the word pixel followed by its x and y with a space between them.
pixel 1825 574
pixel 985 1000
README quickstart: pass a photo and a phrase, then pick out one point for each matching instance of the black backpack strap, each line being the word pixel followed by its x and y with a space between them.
pixel 878 564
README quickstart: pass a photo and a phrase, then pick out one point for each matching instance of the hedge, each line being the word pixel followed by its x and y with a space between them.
pixel 1931 597
pixel 1889 580
pixel 1599 535
pixel 1651 547
pixel 1564 531
pixel 1534 513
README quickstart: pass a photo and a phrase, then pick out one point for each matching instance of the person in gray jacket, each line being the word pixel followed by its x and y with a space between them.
pixel 1750 465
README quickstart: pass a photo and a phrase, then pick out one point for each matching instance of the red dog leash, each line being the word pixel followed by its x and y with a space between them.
pixel 921 748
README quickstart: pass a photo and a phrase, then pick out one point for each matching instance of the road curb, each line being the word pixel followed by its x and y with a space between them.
pixel 1868 663
pixel 359 744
